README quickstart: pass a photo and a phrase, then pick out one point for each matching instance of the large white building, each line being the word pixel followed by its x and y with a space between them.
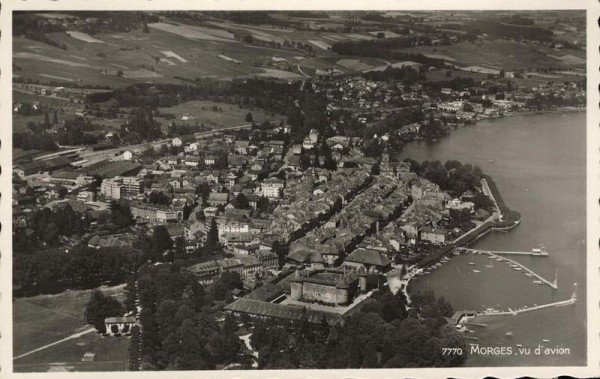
pixel 272 188
pixel 119 187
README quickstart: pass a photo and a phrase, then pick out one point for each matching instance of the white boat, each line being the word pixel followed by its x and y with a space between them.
pixel 541 251
pixel 538 282
pixel 499 259
pixel 528 275
pixel 517 269
pixel 509 334
pixel 476 271
pixel 472 263
pixel 545 340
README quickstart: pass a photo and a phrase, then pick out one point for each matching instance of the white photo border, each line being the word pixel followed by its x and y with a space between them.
pixel 592 7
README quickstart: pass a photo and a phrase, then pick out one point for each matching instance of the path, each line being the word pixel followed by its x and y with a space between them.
pixel 246 339
pixel 302 72
pixel 72 336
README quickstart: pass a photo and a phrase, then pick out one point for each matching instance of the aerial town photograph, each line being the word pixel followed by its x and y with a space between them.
pixel 261 190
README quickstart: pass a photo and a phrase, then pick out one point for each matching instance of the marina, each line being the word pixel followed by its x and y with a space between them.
pixel 518 267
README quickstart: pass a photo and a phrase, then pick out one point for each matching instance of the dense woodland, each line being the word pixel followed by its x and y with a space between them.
pixel 179 321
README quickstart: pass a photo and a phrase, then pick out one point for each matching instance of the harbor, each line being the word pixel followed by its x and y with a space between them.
pixel 518 266
pixel 554 217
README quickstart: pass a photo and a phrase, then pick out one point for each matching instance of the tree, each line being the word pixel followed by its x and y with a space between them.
pixel 203 190
pixel 180 248
pixel 46 120
pixel 262 205
pixel 375 169
pixel 212 239
pixel 249 117
pixel 161 241
pixel 55 119
pixel 99 307
pixel 241 202
pixel 121 215
pixel 119 73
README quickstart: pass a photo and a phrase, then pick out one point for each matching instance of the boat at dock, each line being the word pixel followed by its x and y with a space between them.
pixel 538 282
pixel 517 268
pixel 541 251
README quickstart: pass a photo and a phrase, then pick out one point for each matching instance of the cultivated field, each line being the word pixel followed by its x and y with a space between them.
pixel 44 319
pixel 507 54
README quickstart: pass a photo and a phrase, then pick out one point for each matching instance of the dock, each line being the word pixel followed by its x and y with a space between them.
pixel 513 312
pixel 530 253
pixel 553 285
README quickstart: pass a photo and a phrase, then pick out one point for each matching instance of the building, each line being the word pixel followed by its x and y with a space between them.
pixel 373 261
pixel 266 310
pixel 210 160
pixel 111 188
pixel 272 188
pixel 85 196
pixel 434 235
pixel 183 140
pixel 192 161
pixel 121 187
pixel 218 198
pixel 119 325
pixel 326 286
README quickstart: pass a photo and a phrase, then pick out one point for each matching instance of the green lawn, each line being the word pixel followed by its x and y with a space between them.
pixel 43 319
pixel 111 354
pixel 202 112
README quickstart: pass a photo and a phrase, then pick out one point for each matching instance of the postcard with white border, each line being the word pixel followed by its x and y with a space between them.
pixel 244 190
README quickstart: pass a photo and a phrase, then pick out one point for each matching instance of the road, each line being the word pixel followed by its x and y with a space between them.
pixel 72 336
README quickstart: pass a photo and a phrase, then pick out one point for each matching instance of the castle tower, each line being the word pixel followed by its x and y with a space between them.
pixel 362 279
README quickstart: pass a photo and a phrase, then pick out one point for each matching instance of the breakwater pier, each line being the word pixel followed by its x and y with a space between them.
pixel 517 266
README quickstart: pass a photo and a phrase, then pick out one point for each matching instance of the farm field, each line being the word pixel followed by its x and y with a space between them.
pixel 507 54
pixel 201 111
pixel 141 57
pixel 44 319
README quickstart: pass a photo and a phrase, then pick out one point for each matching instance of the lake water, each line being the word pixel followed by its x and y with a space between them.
pixel 539 165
